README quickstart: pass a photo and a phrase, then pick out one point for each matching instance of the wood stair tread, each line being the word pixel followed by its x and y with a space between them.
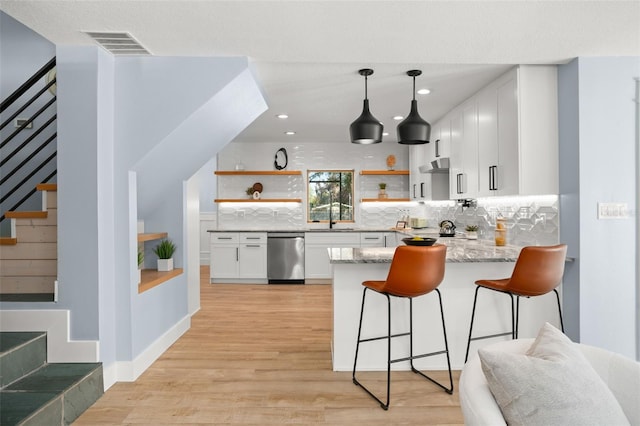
pixel 39 214
pixel 47 187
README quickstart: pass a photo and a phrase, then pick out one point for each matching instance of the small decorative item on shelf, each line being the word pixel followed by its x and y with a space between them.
pixel 250 191
pixel 164 250
pixel 472 232
pixel 391 161
pixel 256 188
pixel 382 193
pixel 501 232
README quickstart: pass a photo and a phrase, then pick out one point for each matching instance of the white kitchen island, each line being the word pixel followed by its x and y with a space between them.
pixel 467 261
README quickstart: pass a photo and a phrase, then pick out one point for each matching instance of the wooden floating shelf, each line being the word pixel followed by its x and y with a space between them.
pixel 383 200
pixel 152 278
pixel 262 200
pixel 151 236
pixel 258 172
pixel 8 241
pixel 384 172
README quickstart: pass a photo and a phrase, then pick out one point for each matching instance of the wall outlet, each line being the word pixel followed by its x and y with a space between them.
pixel 19 122
pixel 613 211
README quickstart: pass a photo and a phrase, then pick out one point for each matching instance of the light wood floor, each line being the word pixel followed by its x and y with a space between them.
pixel 261 354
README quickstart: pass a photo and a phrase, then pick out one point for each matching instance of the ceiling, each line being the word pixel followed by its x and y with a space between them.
pixel 306 53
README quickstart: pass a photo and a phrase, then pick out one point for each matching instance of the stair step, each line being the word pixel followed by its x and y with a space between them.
pixel 47 187
pixel 21 353
pixel 37 214
pixel 57 393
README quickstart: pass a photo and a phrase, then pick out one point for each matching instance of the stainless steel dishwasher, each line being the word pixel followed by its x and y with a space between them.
pixel 285 257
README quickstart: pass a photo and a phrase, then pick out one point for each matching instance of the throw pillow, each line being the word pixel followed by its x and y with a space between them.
pixel 552 384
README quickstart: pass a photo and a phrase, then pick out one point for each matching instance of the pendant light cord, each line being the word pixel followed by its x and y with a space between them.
pixel 414 87
pixel 365 87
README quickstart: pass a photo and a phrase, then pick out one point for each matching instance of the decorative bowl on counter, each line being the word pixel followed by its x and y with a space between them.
pixel 423 241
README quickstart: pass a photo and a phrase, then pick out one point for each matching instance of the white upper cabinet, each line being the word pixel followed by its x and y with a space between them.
pixel 463 172
pixel 513 122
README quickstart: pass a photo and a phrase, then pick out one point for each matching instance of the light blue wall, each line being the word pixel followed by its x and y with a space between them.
pixel 172 115
pixel 603 162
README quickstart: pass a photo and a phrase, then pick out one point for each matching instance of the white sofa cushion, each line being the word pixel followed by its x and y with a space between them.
pixel 553 383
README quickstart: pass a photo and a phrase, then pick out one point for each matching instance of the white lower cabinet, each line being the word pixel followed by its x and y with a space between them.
pixel 238 257
pixel 316 256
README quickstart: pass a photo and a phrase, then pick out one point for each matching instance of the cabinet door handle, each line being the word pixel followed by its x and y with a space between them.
pixel 253 245
pixel 459 183
pixel 253 238
pixel 493 184
pixel 437 148
pixel 370 238
pixel 385 240
pixel 237 254
pixel 414 190
pixel 224 238
pixel 421 189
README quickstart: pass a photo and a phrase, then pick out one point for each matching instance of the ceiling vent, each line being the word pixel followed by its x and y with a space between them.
pixel 119 43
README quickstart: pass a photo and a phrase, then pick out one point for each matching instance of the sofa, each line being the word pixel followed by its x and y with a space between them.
pixel 621 375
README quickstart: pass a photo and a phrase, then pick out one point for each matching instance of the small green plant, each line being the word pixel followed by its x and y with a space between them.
pixel 382 185
pixel 250 190
pixel 140 257
pixel 165 249
pixel 471 228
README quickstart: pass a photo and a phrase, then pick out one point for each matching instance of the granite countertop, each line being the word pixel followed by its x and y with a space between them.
pixel 459 250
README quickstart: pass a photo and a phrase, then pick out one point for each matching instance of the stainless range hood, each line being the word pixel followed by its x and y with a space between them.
pixel 439 165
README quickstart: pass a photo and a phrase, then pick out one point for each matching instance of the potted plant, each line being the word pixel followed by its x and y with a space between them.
pixel 140 262
pixel 383 190
pixel 164 250
pixel 472 232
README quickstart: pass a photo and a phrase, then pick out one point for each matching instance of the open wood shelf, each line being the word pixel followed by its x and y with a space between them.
pixel 47 187
pixel 149 236
pixel 262 200
pixel 152 278
pixel 38 214
pixel 384 172
pixel 258 172
pixel 383 200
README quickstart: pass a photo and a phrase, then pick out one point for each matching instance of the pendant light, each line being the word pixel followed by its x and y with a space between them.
pixel 366 129
pixel 413 130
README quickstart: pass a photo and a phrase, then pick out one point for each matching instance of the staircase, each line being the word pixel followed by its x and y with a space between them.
pixel 34 392
pixel 28 258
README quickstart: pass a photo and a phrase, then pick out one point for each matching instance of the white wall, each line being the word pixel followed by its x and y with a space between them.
pixel 601 167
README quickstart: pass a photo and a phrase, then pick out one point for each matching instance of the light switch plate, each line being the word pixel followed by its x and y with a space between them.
pixel 613 211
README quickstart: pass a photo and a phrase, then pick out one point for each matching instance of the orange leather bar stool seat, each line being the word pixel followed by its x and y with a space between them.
pixel 414 271
pixel 538 271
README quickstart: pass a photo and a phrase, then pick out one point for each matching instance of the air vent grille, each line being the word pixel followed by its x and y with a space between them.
pixel 119 43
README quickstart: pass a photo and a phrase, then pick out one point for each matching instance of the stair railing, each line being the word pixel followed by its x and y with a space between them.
pixel 27 148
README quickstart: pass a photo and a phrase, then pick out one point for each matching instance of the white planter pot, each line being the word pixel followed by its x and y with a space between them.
pixel 165 265
pixel 471 235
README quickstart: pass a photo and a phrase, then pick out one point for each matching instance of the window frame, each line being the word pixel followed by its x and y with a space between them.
pixel 349 206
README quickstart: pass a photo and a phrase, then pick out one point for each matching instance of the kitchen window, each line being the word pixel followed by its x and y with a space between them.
pixel 330 196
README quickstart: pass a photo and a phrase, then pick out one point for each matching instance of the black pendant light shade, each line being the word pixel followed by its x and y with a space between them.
pixel 366 129
pixel 413 130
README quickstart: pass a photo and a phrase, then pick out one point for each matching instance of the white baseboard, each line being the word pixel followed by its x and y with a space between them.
pixel 129 371
pixel 56 323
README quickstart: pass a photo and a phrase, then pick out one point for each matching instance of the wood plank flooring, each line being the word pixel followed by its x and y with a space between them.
pixel 260 355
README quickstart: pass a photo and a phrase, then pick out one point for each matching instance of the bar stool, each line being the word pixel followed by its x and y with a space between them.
pixel 538 271
pixel 414 271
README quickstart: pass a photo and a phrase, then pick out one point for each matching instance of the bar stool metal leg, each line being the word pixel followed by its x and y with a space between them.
pixel 559 309
pixel 514 321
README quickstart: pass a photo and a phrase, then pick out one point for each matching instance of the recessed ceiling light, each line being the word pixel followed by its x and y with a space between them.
pixel 385 133
pixel 398 117
pixel 289 133
pixel 424 91
pixel 282 116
